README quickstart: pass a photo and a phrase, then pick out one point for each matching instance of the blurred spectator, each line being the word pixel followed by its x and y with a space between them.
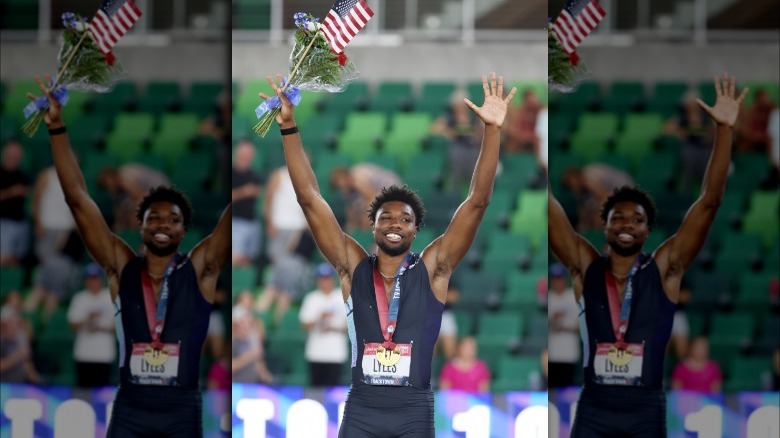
pixel 128 184
pixel 591 185
pixel 16 365
pixel 13 302
pixel 752 130
pixel 465 372
pixel 215 337
pixel 465 134
pixel 563 339
pixel 698 372
pixel 695 130
pixel 91 315
pixel 545 362
pixel 219 373
pixel 58 245
pixel 324 316
pixel 358 186
pixel 680 327
pixel 542 132
pixel 448 332
pixel 774 149
pixel 285 224
pixel 521 133
pixel 247 364
pixel 246 191
pixel 14 186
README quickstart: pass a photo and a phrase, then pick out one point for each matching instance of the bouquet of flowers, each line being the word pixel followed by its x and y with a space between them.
pixel 313 67
pixel 82 67
pixel 564 71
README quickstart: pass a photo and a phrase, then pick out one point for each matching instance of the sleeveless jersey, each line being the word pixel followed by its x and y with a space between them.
pixel 419 319
pixel 650 322
pixel 186 320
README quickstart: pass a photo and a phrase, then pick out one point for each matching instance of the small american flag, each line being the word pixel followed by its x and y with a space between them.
pixel 344 21
pixel 113 19
pixel 577 19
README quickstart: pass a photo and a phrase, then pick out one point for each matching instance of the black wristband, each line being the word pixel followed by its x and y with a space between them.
pixel 56 131
pixel 289 131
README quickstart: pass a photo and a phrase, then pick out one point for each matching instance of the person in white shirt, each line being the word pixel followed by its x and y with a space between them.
pixel 91 315
pixel 563 340
pixel 324 316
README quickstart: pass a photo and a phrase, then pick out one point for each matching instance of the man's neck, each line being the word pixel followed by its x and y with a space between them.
pixel 388 265
pixel 156 265
pixel 620 265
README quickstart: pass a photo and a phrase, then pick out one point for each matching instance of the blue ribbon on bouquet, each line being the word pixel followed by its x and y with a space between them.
pixel 59 93
pixel 292 93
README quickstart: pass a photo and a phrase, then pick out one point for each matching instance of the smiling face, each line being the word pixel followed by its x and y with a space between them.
pixel 394 227
pixel 162 228
pixel 626 228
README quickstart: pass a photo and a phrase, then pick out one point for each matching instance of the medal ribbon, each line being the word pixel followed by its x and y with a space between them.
pixel 155 312
pixel 621 313
pixel 388 314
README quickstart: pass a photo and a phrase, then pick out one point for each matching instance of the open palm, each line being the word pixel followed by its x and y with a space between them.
pixel 493 110
pixel 726 107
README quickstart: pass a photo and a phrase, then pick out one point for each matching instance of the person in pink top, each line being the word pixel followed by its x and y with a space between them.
pixel 698 372
pixel 465 372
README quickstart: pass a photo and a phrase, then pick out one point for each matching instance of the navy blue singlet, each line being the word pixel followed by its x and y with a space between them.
pixel 609 411
pixel 392 411
pixel 150 410
pixel 652 314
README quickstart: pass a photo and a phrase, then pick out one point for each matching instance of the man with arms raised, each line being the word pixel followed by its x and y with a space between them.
pixel 162 298
pixel 627 298
pixel 394 298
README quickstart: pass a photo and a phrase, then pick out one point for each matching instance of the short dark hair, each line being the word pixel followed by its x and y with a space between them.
pixel 630 194
pixel 403 194
pixel 166 194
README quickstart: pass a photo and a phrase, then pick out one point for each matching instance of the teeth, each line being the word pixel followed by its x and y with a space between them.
pixel 394 237
pixel 161 237
pixel 625 237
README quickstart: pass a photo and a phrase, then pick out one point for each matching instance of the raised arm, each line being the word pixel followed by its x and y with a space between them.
pixel 108 249
pixel 444 253
pixel 569 247
pixel 210 254
pixel 339 249
pixel 676 253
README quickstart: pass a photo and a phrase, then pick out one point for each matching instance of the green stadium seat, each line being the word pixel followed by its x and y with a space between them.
pixel 120 98
pixel 517 374
pixel 748 374
pixel 623 97
pixel 354 97
pixel 392 96
pixel 13 279
pixel 243 278
pixel 732 329
pixel 754 293
pixel 521 292
pixel 160 97
pixel 133 125
pixel 202 97
pixel 434 97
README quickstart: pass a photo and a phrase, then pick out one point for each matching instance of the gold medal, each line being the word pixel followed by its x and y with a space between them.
pixel 155 357
pixel 619 357
pixel 387 357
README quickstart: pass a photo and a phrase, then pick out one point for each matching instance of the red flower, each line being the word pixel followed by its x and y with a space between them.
pixel 342 58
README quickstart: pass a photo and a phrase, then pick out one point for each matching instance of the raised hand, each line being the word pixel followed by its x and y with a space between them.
pixel 726 107
pixel 285 117
pixel 54 115
pixel 493 110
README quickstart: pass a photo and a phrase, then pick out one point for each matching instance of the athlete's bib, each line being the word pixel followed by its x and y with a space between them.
pixel 386 367
pixel 154 367
pixel 613 366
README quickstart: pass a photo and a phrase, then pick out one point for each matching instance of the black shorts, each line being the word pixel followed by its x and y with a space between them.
pixel 388 412
pixel 620 412
pixel 152 412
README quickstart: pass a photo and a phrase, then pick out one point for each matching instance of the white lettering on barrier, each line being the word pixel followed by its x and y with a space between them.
pixel 74 418
pixel 764 422
pixel 554 417
pixel 475 422
pixel 255 412
pixel 22 412
pixel 307 418
pixel 532 422
pixel 707 422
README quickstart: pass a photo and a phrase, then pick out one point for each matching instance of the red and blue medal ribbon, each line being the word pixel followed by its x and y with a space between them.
pixel 621 313
pixel 388 314
pixel 155 312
